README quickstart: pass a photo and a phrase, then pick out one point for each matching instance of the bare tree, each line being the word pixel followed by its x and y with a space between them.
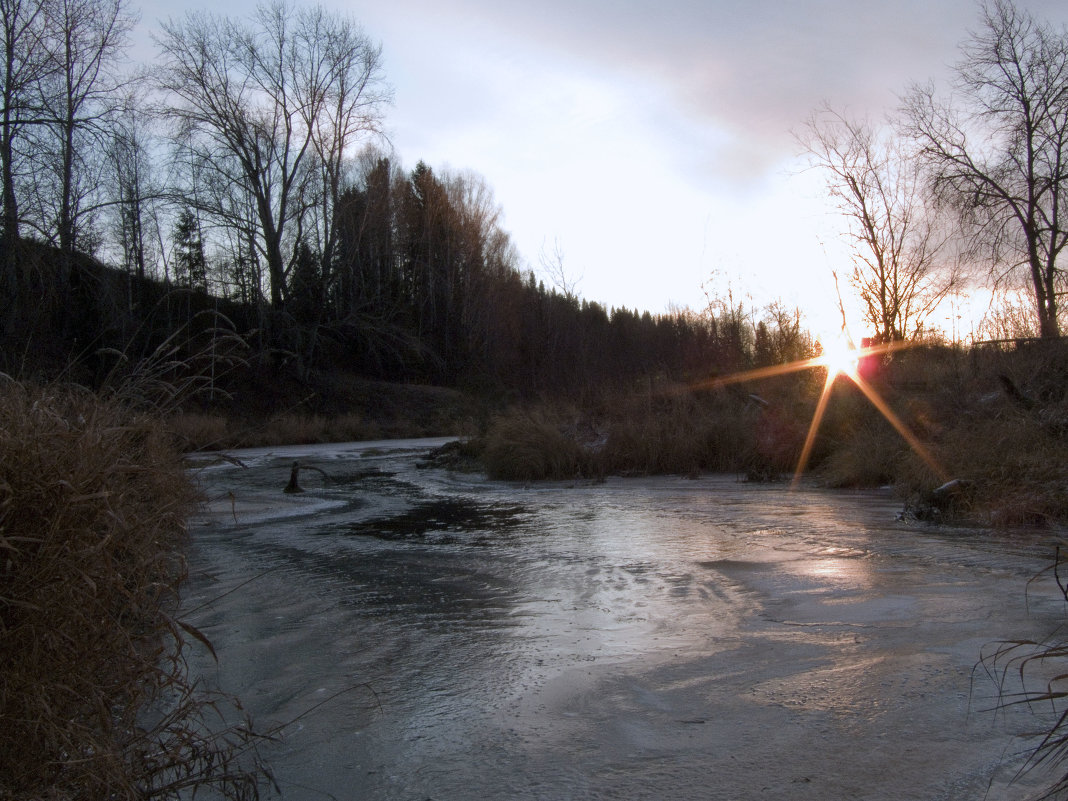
pixel 85 42
pixel 270 109
pixel 898 269
pixel 552 266
pixel 22 24
pixel 785 338
pixel 999 152
pixel 349 74
pixel 134 188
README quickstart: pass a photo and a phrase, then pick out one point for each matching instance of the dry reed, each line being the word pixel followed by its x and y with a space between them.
pixel 531 446
pixel 682 432
pixel 1032 673
pixel 94 695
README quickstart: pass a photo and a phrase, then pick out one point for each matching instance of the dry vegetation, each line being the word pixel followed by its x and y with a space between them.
pixel 1031 673
pixel 532 446
pixel 994 418
pixel 265 408
pixel 94 695
pixel 212 431
pixel 671 429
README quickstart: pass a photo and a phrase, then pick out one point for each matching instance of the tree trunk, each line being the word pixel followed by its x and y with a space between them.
pixel 1045 296
pixel 276 273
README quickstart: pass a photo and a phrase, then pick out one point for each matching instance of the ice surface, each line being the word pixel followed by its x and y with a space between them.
pixel 637 638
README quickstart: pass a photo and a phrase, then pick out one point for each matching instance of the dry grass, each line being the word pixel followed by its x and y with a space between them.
pixel 303 429
pixel 93 691
pixel 997 420
pixel 676 430
pixel 331 408
pixel 872 455
pixel 532 446
pixel 201 431
pixel 1016 462
pixel 196 431
pixel 682 432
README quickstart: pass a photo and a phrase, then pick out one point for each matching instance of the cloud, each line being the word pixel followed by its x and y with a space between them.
pixel 751 71
pixel 653 140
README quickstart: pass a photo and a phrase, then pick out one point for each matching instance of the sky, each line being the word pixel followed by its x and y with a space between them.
pixel 651 144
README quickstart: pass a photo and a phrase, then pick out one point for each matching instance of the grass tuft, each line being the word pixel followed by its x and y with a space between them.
pixel 1031 673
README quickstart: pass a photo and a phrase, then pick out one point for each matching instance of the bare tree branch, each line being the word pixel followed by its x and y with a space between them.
pixel 899 268
pixel 999 157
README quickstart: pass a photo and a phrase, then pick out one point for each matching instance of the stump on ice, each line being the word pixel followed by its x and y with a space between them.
pixel 293 486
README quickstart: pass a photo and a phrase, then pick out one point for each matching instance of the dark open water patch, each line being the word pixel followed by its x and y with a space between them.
pixel 439 519
pixel 369 474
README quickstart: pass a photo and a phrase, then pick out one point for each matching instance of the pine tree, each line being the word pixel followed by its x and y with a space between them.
pixel 190 265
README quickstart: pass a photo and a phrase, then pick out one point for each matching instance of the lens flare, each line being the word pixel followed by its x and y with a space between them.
pixel 839 358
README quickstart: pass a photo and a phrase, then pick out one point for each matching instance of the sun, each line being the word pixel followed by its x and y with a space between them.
pixel 839 355
pixel 840 358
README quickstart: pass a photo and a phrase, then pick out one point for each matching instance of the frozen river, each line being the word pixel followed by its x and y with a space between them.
pixel 655 638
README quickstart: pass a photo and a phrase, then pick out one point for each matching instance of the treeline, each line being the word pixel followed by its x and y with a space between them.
pixel 426 284
pixel 239 182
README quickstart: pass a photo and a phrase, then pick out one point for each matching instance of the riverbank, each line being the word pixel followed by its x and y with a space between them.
pixel 627 560
pixel 993 421
pixel 95 697
pixel 258 409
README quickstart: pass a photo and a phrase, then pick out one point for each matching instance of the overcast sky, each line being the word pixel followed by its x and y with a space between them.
pixel 650 142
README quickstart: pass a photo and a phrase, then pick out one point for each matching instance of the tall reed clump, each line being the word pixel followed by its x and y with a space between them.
pixel 682 432
pixel 95 702
pixel 532 446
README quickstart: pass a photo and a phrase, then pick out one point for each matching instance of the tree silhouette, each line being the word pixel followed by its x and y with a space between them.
pixel 190 264
pixel 998 153
pixel 898 248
